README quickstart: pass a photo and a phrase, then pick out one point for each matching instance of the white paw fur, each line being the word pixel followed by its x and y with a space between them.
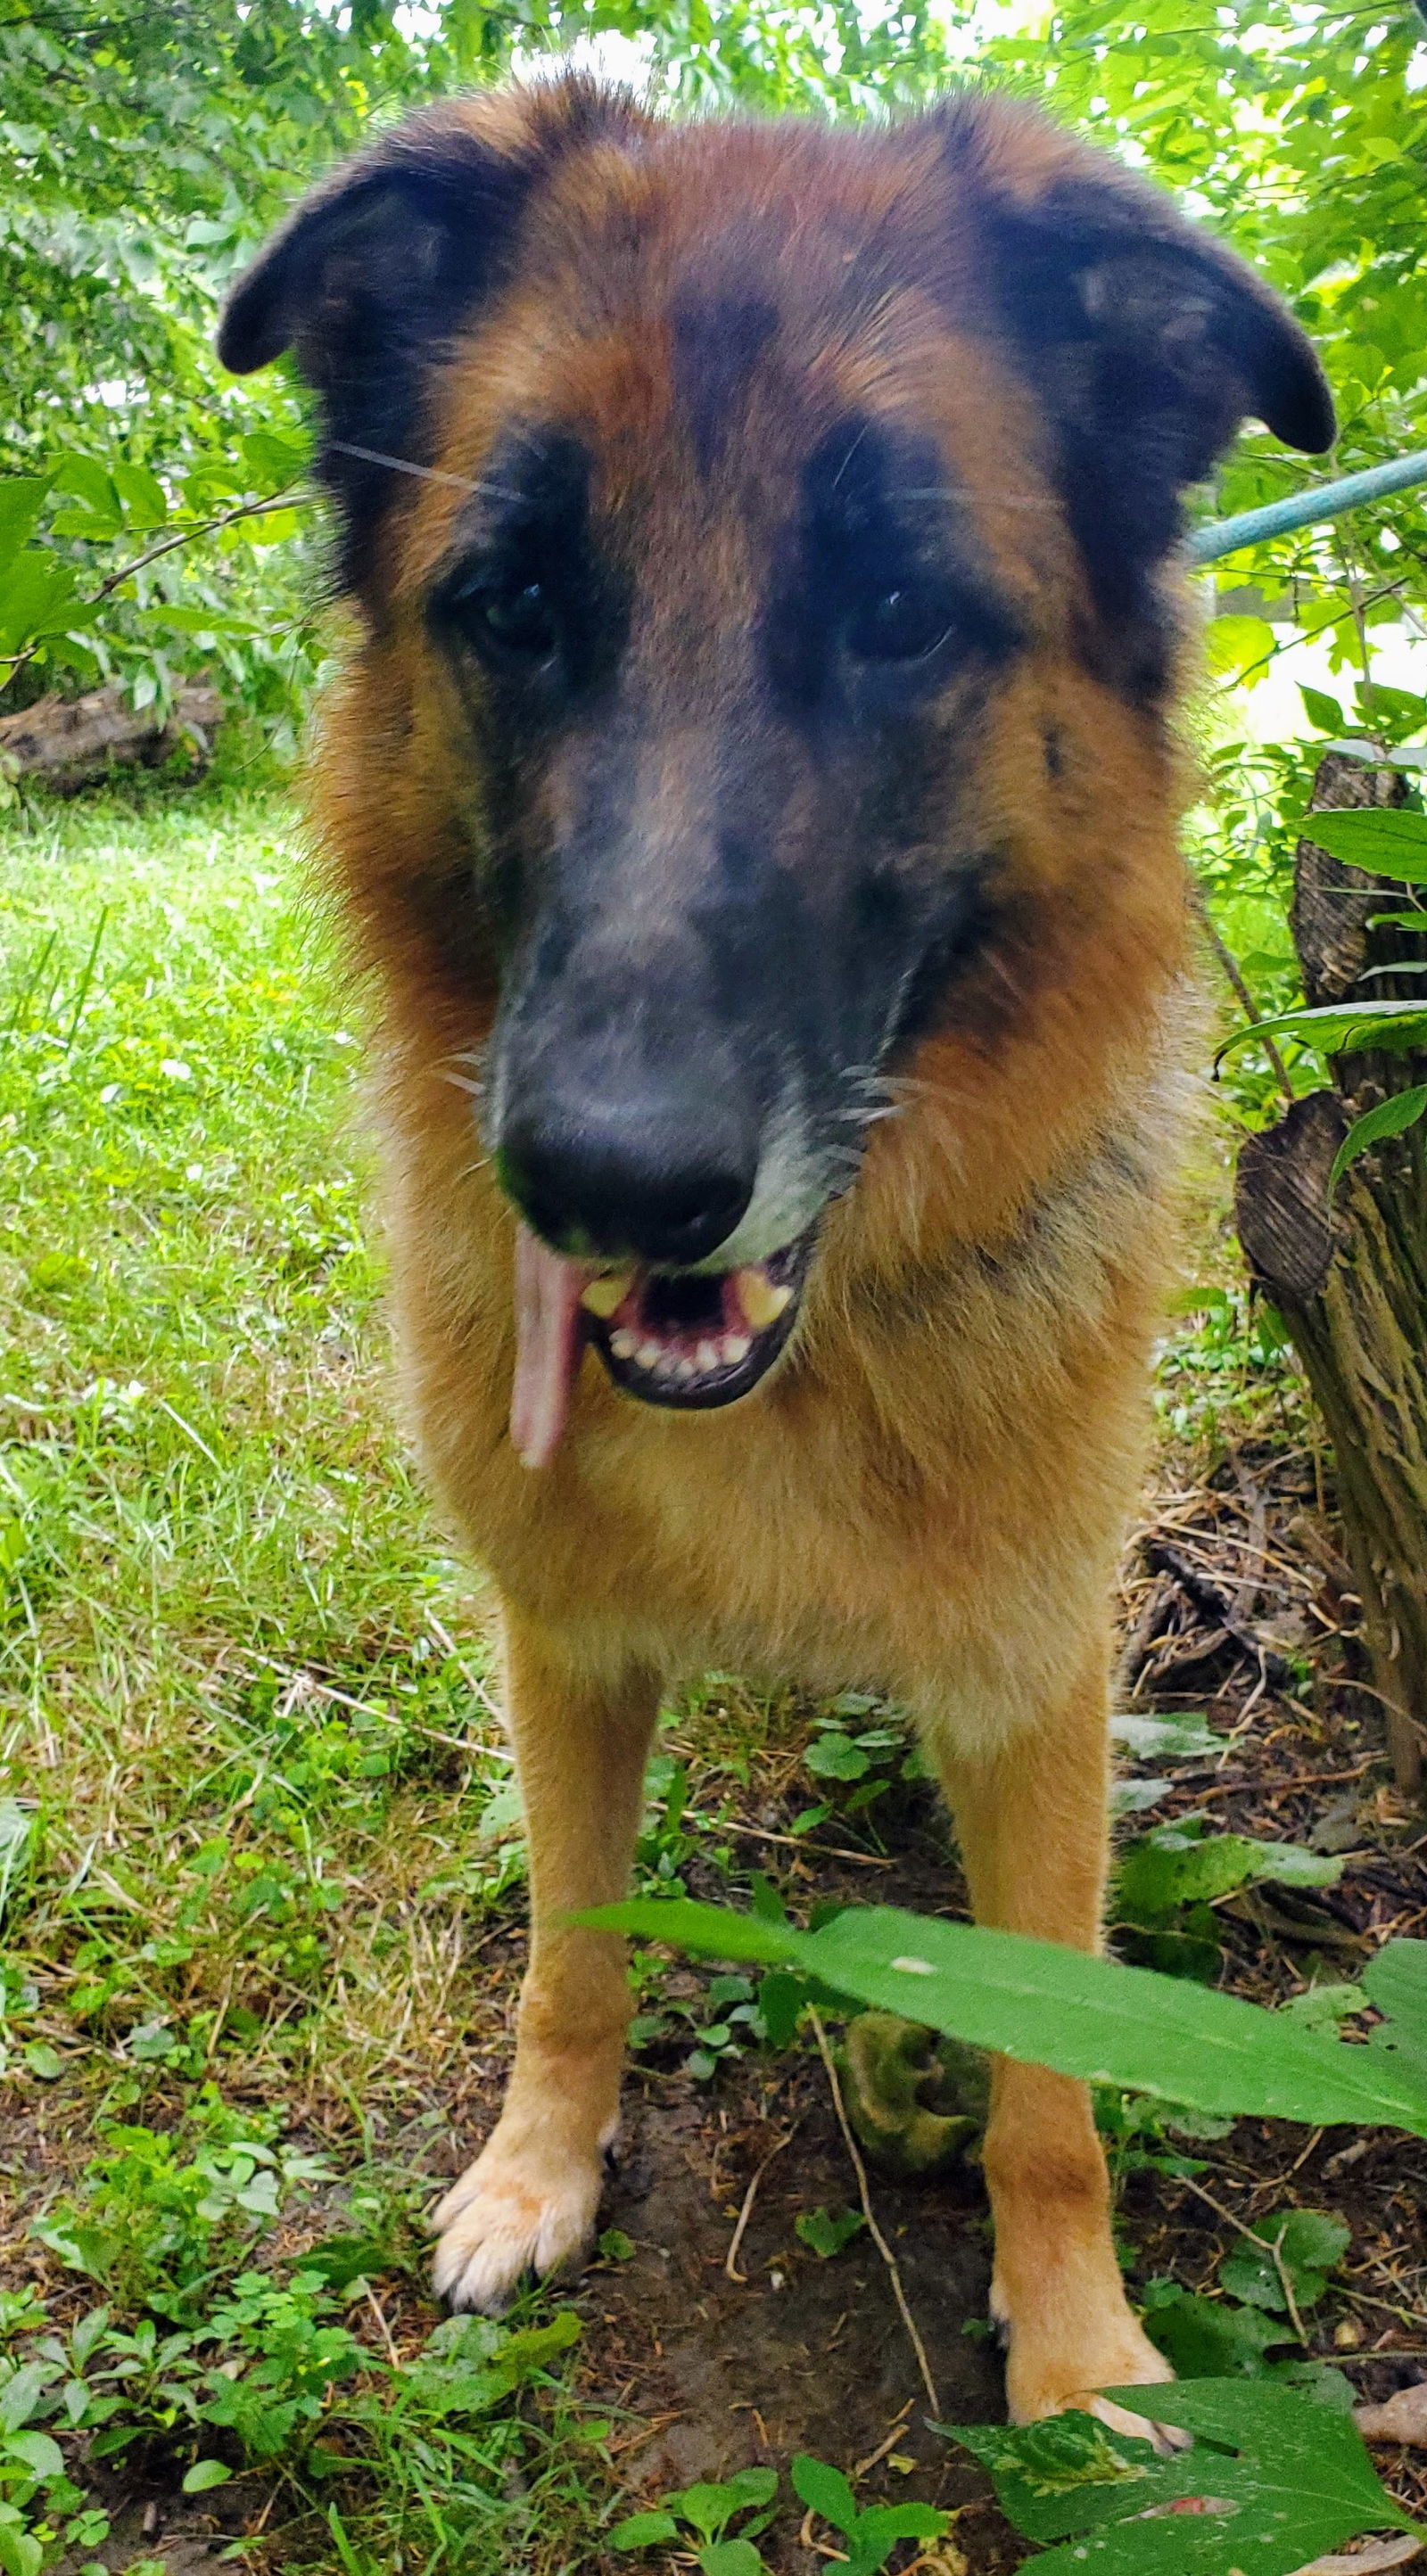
pixel 509 2215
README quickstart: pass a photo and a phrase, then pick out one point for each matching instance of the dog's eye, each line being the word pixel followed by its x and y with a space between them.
pixel 518 619
pixel 901 624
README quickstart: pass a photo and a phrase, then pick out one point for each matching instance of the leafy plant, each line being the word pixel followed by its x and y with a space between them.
pixel 155 2227
pixel 1089 2016
pixel 1273 2480
pixel 871 2533
pixel 708 2509
pixel 827 2231
pixel 1168 1881
pixel 1270 2279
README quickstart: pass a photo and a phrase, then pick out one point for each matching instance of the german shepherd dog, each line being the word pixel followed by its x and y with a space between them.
pixel 752 794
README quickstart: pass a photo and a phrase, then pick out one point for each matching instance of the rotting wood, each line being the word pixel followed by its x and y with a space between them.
pixel 1350 1278
pixel 70 743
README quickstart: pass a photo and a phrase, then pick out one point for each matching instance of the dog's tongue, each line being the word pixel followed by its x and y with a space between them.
pixel 547 1346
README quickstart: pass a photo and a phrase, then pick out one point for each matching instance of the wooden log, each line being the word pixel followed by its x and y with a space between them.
pixel 70 743
pixel 1350 1277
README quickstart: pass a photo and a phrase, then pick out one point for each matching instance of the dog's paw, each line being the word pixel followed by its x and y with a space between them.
pixel 511 2214
pixel 1047 2377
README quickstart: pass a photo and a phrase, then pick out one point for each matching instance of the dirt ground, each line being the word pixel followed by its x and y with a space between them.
pixel 1236 1604
pixel 1231 1591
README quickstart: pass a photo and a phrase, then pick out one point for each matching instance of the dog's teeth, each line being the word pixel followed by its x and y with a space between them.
pixel 623 1344
pixel 707 1355
pixel 649 1354
pixel 761 1301
pixel 736 1347
pixel 685 1371
pixel 667 1364
pixel 603 1296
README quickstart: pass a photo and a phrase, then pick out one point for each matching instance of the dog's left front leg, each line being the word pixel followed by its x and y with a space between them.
pixel 1031 1815
pixel 529 2200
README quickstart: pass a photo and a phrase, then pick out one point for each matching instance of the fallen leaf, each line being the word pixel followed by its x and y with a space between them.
pixel 1402 2419
pixel 1365 2562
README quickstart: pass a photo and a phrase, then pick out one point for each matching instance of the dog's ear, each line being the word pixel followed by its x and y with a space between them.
pixel 370 279
pixel 1148 342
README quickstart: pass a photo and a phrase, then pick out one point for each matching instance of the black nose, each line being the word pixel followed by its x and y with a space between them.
pixel 641 1185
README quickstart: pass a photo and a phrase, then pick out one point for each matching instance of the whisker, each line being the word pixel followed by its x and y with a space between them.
pixel 1003 500
pixel 428 473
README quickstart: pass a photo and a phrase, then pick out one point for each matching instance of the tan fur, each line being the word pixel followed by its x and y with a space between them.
pixel 927 1495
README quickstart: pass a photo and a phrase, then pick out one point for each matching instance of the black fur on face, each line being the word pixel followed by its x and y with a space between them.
pixel 725 711
pixel 719 862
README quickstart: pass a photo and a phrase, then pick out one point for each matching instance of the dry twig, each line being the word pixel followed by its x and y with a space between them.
pixel 873 2230
pixel 730 2260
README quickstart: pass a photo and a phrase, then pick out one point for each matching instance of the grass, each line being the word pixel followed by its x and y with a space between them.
pixel 254 1806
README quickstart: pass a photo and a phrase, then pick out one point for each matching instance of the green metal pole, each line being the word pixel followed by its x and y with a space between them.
pixel 1323 501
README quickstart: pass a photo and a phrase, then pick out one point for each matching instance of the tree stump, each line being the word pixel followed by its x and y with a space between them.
pixel 1350 1277
pixel 71 743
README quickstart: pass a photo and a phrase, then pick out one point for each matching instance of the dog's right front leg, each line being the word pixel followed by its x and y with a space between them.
pixel 529 2200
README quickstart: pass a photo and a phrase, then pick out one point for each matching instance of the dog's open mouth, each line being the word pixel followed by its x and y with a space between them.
pixel 687 1339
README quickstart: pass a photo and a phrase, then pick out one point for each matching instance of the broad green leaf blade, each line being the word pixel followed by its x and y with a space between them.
pixel 1169 1867
pixel 826 2490
pixel 1396 1981
pixel 1166 1739
pixel 1055 2007
pixel 1390 1118
pixel 1382 839
pixel 205 2474
pixel 730 2558
pixel 1286 2480
pixel 643 2530
pixel 1340 1029
pixel 22 497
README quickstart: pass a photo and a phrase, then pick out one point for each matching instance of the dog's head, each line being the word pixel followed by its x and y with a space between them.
pixel 753 465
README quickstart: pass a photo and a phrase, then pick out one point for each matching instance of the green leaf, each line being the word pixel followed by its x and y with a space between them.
pixel 205 2474
pixel 1211 2338
pixel 20 2554
pixel 39 596
pixel 22 497
pixel 827 2233
pixel 643 2530
pixel 44 2063
pixel 1055 2007
pixel 1309 2245
pixel 836 1757
pixel 1341 1028
pixel 1396 1981
pixel 1170 1867
pixel 21 2393
pixel 1166 1739
pixel 878 2530
pixel 1285 2481
pixel 87 481
pixel 142 494
pixel 826 2490
pixel 41 2456
pixel 781 1998
pixel 1392 1117
pixel 730 2558
pixel 1321 710
pixel 1233 644
pixel 341 2260
pixel 1385 840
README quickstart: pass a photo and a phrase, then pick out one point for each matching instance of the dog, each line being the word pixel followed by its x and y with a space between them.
pixel 752 794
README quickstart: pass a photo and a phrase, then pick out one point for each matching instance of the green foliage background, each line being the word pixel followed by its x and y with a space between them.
pixel 144 153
